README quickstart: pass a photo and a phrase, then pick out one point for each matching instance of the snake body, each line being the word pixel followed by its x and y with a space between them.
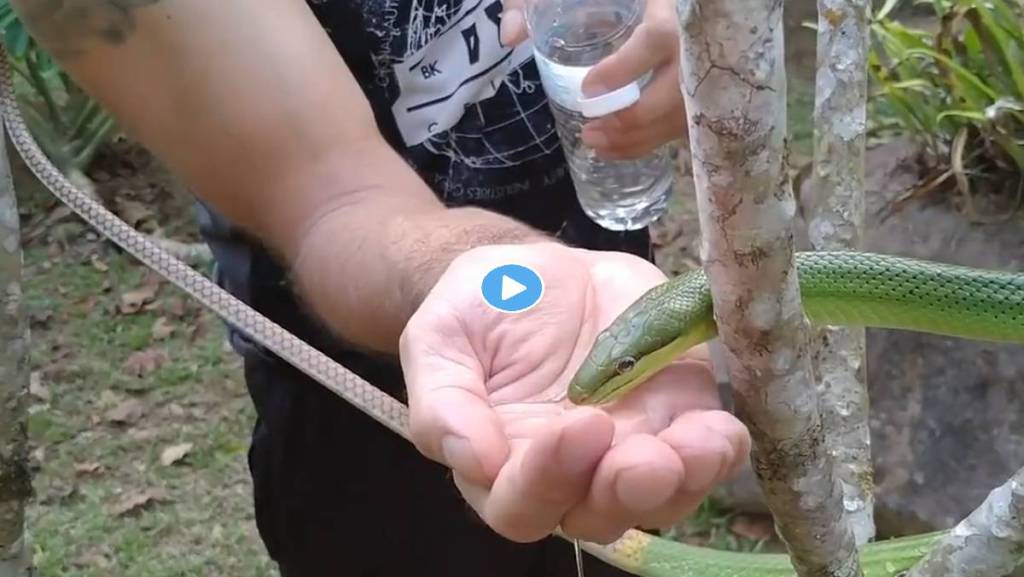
pixel 836 288
pixel 650 556
pixel 662 327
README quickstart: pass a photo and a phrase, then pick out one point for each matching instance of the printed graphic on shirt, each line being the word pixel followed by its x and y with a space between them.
pixel 463 64
pixel 462 103
pixel 454 61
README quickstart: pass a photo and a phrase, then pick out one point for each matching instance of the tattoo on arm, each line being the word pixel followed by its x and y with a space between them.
pixel 67 27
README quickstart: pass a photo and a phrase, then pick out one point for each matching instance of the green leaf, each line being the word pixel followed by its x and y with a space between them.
pixel 973 89
pixel 16 39
pixel 886 9
pixel 996 40
pixel 968 114
pixel 1014 149
pixel 1013 23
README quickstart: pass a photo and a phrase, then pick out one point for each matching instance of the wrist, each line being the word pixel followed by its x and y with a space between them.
pixel 365 274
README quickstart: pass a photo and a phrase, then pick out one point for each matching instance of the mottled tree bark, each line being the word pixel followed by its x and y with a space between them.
pixel 988 543
pixel 15 481
pixel 733 80
pixel 836 222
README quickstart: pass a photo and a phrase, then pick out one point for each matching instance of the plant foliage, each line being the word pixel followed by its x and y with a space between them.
pixel 68 124
pixel 958 89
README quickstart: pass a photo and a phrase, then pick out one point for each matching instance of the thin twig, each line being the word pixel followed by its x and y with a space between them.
pixel 837 223
pixel 987 543
pixel 15 481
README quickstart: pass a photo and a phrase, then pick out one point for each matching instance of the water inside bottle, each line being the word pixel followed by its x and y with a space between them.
pixel 570 37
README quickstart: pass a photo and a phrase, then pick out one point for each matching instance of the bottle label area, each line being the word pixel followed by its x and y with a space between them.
pixel 563 84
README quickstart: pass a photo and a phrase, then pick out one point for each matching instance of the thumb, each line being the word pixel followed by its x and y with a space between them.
pixel 450 418
pixel 513 22
pixel 629 63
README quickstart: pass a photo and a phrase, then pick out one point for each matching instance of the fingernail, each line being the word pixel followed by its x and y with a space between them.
pixel 459 455
pixel 512 24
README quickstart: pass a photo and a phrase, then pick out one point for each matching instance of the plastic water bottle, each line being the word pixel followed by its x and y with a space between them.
pixel 570 37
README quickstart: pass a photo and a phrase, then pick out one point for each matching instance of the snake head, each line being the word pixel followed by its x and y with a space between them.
pixel 623 356
pixel 600 378
pixel 651 333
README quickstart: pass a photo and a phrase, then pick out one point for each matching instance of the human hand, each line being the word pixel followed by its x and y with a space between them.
pixel 659 116
pixel 485 392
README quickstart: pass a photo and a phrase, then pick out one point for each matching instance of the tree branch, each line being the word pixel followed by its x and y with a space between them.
pixel 733 80
pixel 15 482
pixel 836 222
pixel 987 543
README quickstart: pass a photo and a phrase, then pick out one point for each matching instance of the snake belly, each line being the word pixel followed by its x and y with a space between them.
pixel 836 288
pixel 646 555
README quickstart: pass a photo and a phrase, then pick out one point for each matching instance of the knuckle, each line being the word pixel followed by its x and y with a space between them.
pixel 659 33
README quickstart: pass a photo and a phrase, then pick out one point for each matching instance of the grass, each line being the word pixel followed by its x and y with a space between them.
pixel 110 394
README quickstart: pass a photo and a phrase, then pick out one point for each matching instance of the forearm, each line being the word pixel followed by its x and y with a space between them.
pixel 249 102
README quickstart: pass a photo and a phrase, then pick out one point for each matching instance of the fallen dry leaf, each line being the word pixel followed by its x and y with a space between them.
pixel 133 212
pixel 87 468
pixel 132 301
pixel 91 560
pixel 36 387
pixel 144 434
pixel 756 528
pixel 135 501
pixel 141 363
pixel 126 413
pixel 162 329
pixel 98 264
pixel 174 453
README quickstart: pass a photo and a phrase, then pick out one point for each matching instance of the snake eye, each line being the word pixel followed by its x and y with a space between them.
pixel 625 364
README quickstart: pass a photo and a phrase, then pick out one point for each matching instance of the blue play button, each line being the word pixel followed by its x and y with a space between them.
pixel 512 288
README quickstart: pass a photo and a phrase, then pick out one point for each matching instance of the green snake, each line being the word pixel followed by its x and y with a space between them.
pixel 836 288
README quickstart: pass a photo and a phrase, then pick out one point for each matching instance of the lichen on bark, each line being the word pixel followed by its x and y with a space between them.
pixel 733 81
pixel 836 222
pixel 15 481
pixel 987 543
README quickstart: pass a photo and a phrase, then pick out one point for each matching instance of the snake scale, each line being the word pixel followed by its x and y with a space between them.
pixel 636 552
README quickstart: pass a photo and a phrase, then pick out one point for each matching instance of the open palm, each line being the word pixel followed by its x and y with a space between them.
pixel 486 398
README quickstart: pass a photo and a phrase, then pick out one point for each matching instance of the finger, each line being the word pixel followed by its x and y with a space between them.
pixel 450 418
pixel 545 479
pixel 610 144
pixel 660 100
pixel 702 447
pixel 653 42
pixel 713 445
pixel 512 30
pixel 635 480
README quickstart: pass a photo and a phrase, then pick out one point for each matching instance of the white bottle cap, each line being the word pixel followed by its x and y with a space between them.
pixel 609 102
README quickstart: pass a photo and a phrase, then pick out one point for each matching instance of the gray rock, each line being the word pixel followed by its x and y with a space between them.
pixel 946 414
